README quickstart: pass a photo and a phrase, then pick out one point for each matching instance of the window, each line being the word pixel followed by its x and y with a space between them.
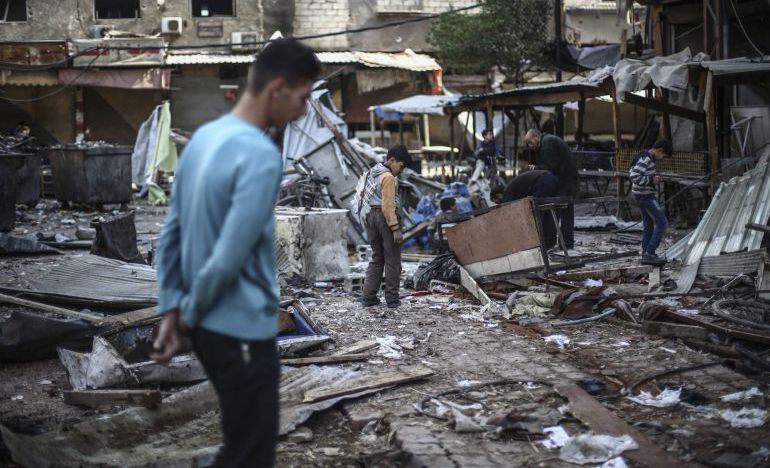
pixel 117 9
pixel 207 8
pixel 13 10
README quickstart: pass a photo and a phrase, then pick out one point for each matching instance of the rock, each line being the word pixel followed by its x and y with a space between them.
pixel 359 419
pixel 301 435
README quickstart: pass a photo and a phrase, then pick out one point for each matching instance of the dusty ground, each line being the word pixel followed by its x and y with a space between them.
pixel 457 347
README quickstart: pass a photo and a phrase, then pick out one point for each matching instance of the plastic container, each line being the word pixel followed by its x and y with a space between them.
pixel 91 175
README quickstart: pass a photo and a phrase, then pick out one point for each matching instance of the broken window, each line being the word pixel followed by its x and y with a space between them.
pixel 206 8
pixel 13 10
pixel 116 9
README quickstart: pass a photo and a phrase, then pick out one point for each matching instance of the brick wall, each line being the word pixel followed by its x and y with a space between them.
pixel 321 16
pixel 437 6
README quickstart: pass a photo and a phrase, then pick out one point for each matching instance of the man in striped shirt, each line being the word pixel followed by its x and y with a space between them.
pixel 644 180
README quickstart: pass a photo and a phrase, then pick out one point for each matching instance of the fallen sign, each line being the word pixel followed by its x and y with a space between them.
pixel 517 246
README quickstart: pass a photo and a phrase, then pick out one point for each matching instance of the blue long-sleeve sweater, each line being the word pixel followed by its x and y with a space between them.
pixel 216 260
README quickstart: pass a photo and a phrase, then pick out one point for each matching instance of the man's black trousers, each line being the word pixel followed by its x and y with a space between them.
pixel 245 376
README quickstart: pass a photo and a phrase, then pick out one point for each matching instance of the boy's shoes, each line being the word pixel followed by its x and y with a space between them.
pixel 370 302
pixel 653 259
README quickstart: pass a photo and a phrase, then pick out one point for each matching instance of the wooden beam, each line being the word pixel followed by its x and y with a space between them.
pixel 664 107
pixel 93 318
pixel 602 421
pixel 324 360
pixel 357 347
pixel 100 398
pixel 675 330
pixel 605 273
pixel 758 227
pixel 711 134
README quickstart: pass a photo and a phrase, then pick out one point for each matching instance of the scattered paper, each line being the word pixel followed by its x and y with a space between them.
pixel 589 448
pixel 592 283
pixel 668 350
pixel 666 398
pixel 617 462
pixel 392 347
pixel 745 418
pixel 742 396
pixel 556 437
pixel 622 344
pixel 559 340
pixel 688 311
pixel 17 398
pixel 468 383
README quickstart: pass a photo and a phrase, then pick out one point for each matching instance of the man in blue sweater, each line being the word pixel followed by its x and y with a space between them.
pixel 216 263
pixel 643 181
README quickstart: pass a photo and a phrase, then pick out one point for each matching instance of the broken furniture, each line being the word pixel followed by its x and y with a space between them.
pixel 91 173
pixel 312 242
pixel 505 240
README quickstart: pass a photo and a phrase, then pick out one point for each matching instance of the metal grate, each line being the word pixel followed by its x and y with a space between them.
pixel 684 163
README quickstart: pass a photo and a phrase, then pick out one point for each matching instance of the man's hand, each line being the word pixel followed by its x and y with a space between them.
pixel 656 179
pixel 169 339
pixel 398 237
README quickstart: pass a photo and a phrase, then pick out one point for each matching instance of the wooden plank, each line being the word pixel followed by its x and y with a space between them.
pixel 99 398
pixel 93 318
pixel 608 273
pixel 664 107
pixel 674 330
pixel 129 318
pixel 417 229
pixel 324 360
pixel 509 229
pixel 585 407
pixel 470 284
pixel 357 347
pixel 758 227
pixel 519 261
pixel 385 379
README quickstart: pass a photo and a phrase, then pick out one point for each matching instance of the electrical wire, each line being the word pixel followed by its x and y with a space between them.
pixel 59 90
pixel 392 24
pixel 743 30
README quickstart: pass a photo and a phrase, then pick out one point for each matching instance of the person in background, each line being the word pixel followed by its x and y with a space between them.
pixel 448 207
pixel 216 257
pixel 554 155
pixel 643 182
pixel 536 184
pixel 487 150
pixel 383 228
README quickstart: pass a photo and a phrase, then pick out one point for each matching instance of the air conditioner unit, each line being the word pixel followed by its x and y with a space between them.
pixel 244 41
pixel 98 31
pixel 171 25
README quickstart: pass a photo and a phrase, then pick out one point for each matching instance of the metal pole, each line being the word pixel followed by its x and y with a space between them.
pixel 557 10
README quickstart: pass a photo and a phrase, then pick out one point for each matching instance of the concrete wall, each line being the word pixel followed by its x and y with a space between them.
pixel 322 16
pixel 70 19
pixel 597 26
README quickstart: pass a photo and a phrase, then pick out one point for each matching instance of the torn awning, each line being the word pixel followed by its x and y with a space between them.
pixel 147 78
pixel 419 104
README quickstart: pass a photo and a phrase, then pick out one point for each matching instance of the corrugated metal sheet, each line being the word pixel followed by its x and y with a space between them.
pixel 737 66
pixel 29 78
pixel 406 60
pixel 732 264
pixel 743 199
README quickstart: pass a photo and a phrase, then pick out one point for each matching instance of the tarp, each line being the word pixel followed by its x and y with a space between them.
pixel 151 78
pixel 154 151
pixel 419 104
pixel 669 72
pixel 593 57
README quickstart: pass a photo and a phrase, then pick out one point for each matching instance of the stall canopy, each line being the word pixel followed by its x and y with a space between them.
pixel 419 104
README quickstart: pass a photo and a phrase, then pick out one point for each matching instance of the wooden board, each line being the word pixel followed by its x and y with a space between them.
pixel 519 261
pixel 357 347
pixel 509 229
pixel 99 398
pixel 602 421
pixel 324 360
pixel 470 284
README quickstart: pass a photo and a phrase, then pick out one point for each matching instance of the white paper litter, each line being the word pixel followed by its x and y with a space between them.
pixel 622 344
pixel 589 448
pixel 668 350
pixel 745 418
pixel 742 396
pixel 465 423
pixel 559 340
pixel 467 383
pixel 592 283
pixel 688 311
pixel 557 437
pixel 666 398
pixel 389 347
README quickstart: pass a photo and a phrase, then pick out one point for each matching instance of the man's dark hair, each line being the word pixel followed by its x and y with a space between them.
pixel 499 190
pixel 447 203
pixel 401 154
pixel 664 145
pixel 284 58
pixel 486 132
